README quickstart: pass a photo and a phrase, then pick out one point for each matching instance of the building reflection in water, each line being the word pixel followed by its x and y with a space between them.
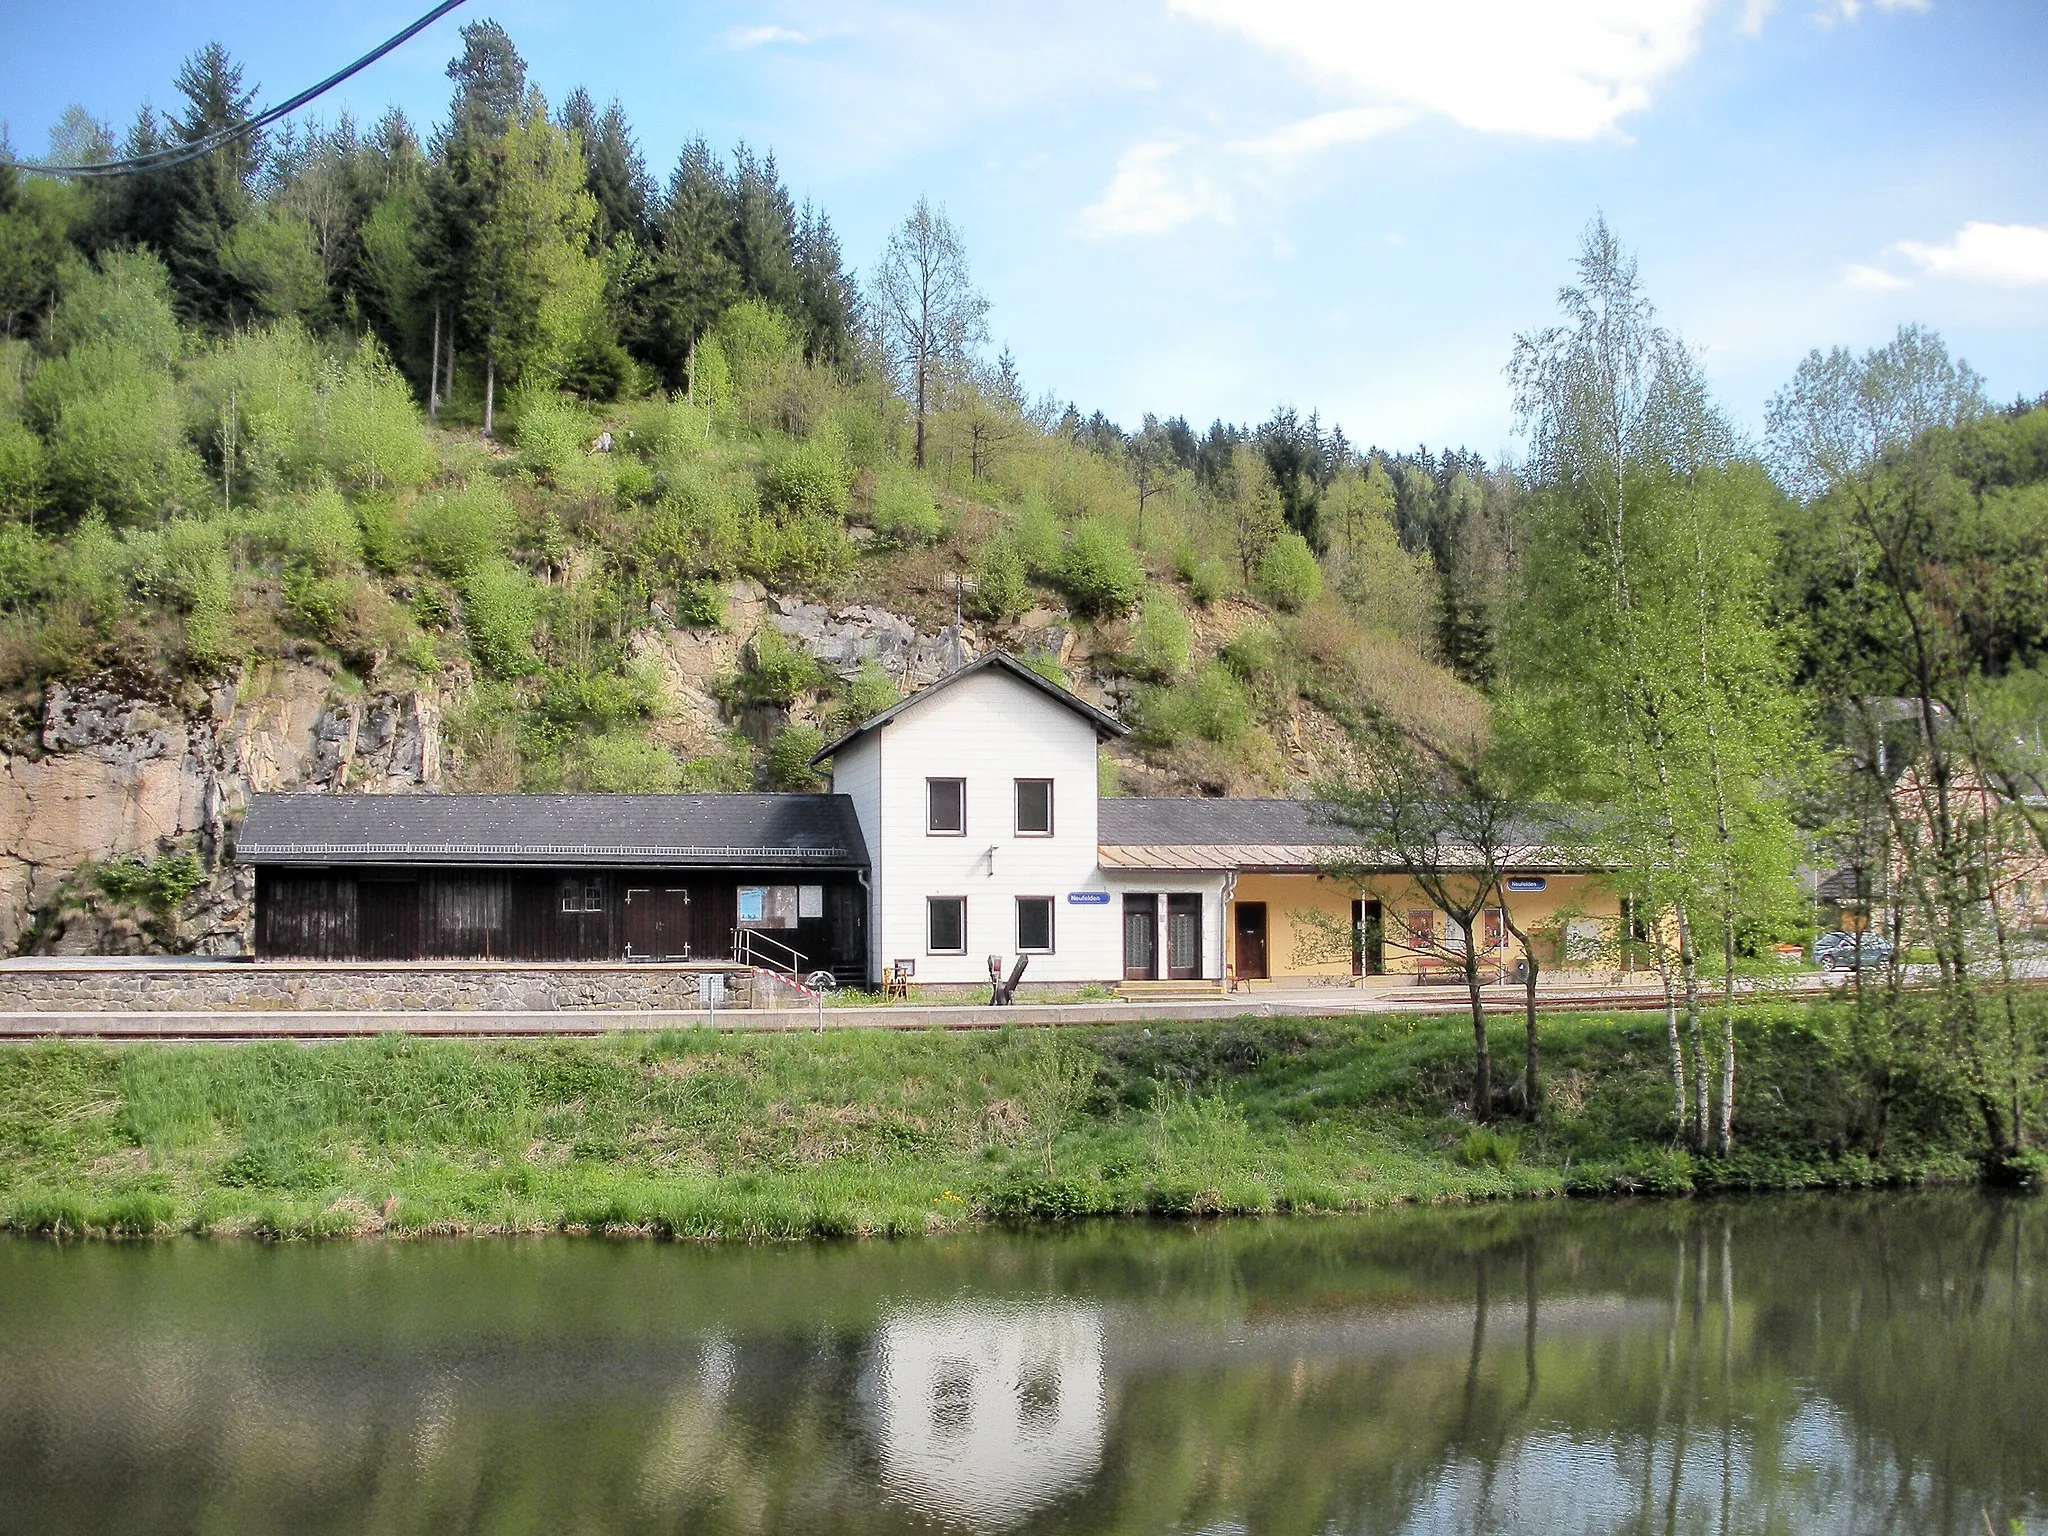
pixel 985 1414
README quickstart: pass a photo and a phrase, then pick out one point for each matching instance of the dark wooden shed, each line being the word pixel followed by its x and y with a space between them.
pixel 559 877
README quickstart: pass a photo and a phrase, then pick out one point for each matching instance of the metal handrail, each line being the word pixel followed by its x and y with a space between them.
pixel 744 941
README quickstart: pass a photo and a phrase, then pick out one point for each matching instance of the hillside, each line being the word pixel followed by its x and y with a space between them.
pixel 250 563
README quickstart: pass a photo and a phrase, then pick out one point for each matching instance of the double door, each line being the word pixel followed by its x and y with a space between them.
pixel 1183 938
pixel 678 922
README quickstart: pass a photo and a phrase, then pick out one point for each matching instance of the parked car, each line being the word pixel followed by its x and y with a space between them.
pixel 1828 943
pixel 1863 951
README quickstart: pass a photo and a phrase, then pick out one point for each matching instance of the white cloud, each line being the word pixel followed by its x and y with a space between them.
pixel 1866 279
pixel 2009 255
pixel 1553 69
pixel 1830 11
pixel 761 37
pixel 1753 14
pixel 1352 125
pixel 1152 194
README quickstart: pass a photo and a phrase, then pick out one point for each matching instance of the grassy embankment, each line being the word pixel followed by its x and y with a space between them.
pixel 702 1134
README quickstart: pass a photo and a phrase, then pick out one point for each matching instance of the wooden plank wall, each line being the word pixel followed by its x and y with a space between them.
pixel 518 915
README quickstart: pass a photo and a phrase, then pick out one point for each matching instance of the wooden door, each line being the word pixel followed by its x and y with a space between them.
pixel 1368 939
pixel 1251 939
pixel 1141 938
pixel 714 912
pixel 1183 938
pixel 657 922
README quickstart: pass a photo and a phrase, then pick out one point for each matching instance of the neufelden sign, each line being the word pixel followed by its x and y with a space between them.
pixel 1526 882
pixel 1088 898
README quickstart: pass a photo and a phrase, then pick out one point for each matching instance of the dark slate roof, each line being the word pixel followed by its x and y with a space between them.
pixel 1188 821
pixel 1106 725
pixel 677 831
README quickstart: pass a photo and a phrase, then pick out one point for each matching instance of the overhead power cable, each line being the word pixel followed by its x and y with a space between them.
pixel 178 154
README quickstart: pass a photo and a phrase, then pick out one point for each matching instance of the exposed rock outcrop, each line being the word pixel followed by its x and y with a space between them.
pixel 124 776
pixel 841 639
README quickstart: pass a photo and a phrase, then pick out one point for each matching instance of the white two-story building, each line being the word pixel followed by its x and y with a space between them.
pixel 979 800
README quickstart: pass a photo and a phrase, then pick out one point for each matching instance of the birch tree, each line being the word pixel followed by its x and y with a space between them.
pixel 1644 596
pixel 928 314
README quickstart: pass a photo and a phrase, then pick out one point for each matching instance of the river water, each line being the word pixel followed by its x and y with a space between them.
pixel 1811 1364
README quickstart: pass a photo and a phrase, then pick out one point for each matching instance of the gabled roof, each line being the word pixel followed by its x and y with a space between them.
pixel 1107 726
pixel 673 831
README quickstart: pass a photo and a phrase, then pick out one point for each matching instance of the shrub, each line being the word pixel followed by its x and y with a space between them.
pixel 1162 639
pixel 700 605
pixel 550 433
pixel 383 533
pixel 21 471
pixel 185 568
pixel 1288 576
pixel 1099 572
pixel 163 885
pixel 777 670
pixel 499 609
pixel 119 444
pixel 263 387
pixel 1209 706
pixel 24 566
pixel 322 535
pixel 1037 537
pixel 811 552
pixel 123 298
pixel 1205 575
pixel 604 699
pixel 752 337
pixel 866 694
pixel 905 514
pixel 701 526
pixel 622 762
pixel 711 381
pixel 1000 590
pixel 790 754
pixel 865 431
pixel 370 427
pixel 727 768
pixel 465 530
pixel 808 479
pixel 1047 666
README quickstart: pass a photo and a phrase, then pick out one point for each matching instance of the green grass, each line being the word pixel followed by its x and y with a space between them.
pixel 706 1134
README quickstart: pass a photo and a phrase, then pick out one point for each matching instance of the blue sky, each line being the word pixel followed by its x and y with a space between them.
pixel 1219 206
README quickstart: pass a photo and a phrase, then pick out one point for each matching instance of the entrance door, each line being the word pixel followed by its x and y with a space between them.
pixel 1251 939
pixel 1368 939
pixel 1184 938
pixel 657 923
pixel 1141 938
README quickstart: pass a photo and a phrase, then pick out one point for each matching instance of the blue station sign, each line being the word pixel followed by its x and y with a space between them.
pixel 1526 882
pixel 1088 898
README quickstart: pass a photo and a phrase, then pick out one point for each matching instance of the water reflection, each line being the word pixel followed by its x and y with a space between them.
pixel 985 1414
pixel 1830 1365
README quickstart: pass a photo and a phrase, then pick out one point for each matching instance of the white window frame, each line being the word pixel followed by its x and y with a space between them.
pixel 934 831
pixel 1051 926
pixel 1017 809
pixel 930 902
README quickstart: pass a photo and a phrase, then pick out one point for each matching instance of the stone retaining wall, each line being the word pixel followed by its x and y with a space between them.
pixel 368 988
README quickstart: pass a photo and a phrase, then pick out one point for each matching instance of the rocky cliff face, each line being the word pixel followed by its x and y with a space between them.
pixel 111 775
